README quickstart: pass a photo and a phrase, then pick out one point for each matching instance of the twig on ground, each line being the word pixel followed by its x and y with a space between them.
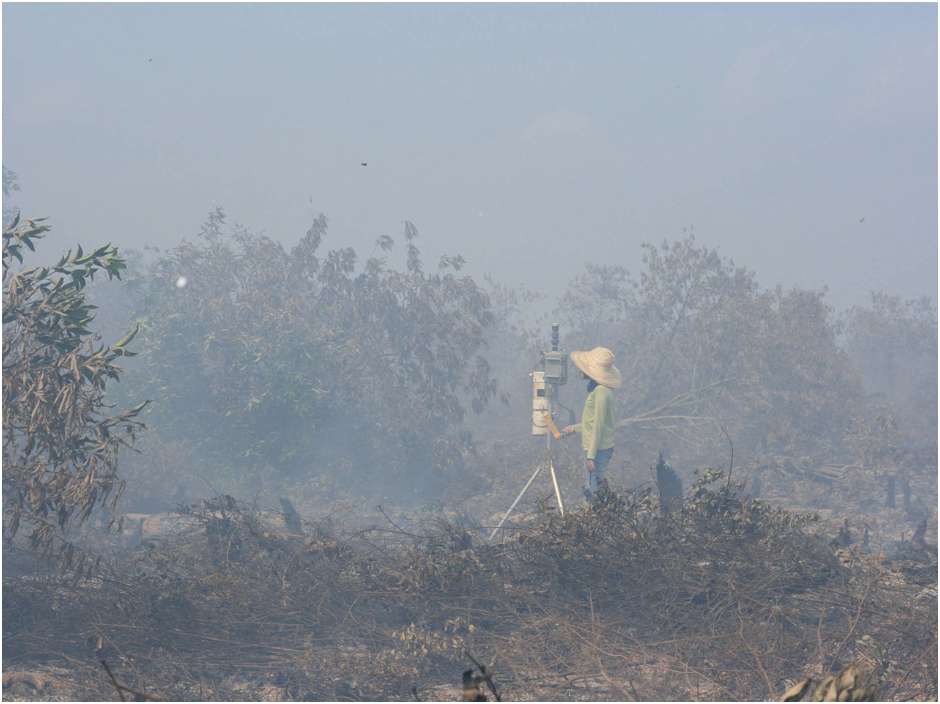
pixel 486 676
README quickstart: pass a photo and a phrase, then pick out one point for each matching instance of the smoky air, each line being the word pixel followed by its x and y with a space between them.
pixel 469 352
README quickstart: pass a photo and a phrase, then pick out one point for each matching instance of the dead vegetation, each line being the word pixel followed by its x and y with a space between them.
pixel 724 591
pixel 727 598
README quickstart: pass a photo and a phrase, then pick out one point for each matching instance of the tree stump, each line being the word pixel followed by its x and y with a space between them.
pixel 757 487
pixel 891 490
pixel 291 517
pixel 670 487
pixel 920 534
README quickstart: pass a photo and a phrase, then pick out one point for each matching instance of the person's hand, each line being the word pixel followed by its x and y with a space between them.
pixel 590 465
pixel 567 430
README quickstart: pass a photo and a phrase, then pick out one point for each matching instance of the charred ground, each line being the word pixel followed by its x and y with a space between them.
pixel 728 599
pixel 390 404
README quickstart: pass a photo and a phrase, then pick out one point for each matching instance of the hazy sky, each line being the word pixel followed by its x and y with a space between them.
pixel 529 138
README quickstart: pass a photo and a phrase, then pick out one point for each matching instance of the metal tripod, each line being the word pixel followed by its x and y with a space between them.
pixel 550 463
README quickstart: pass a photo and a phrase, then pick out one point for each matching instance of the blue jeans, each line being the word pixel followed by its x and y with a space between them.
pixel 596 479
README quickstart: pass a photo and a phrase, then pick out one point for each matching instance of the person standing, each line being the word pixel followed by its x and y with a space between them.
pixel 597 419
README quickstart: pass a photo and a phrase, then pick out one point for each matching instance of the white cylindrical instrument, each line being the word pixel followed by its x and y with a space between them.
pixel 539 404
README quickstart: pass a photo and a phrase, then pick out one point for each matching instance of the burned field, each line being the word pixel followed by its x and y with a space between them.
pixel 519 352
pixel 725 598
pixel 378 429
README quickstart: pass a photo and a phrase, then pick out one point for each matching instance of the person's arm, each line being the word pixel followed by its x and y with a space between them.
pixel 601 399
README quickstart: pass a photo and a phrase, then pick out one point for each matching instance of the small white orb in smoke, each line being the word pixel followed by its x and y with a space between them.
pixel 181 282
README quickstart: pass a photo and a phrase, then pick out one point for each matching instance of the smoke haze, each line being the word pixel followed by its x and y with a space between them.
pixel 799 140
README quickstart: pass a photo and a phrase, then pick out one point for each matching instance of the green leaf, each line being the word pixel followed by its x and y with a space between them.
pixel 128 337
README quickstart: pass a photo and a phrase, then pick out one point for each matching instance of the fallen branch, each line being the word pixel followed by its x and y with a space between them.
pixel 121 689
pixel 486 676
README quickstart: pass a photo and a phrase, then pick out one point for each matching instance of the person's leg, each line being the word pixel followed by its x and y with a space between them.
pixel 596 479
pixel 591 485
pixel 601 463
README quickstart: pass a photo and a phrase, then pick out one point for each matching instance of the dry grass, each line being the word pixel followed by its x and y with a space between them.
pixel 730 599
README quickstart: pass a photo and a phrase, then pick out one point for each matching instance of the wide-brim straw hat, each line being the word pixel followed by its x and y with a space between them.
pixel 599 365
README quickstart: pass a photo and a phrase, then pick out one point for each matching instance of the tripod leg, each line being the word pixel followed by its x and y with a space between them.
pixel 561 505
pixel 521 493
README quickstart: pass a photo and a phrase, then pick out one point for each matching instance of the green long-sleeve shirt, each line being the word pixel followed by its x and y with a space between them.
pixel 597 421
